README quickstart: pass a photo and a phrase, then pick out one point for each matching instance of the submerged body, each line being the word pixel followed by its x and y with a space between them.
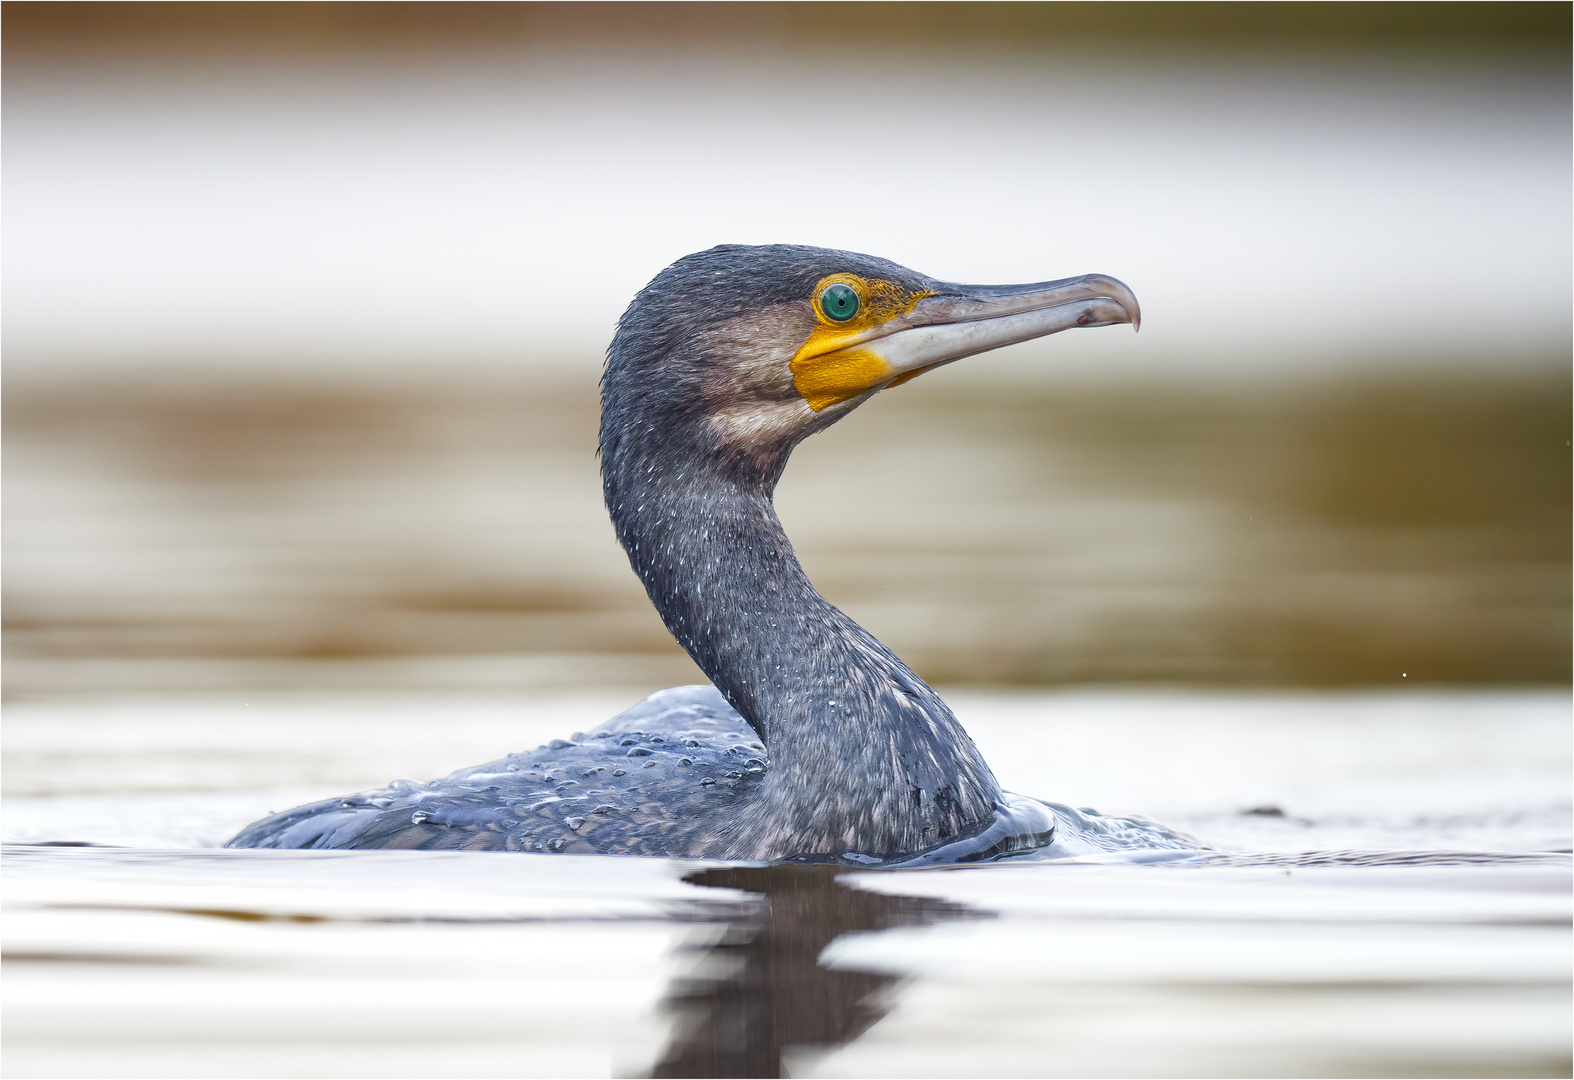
pixel 814 741
pixel 666 778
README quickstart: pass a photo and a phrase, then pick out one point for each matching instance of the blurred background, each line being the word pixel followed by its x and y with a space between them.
pixel 305 306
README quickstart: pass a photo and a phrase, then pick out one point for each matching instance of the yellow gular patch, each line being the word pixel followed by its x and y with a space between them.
pixel 840 376
pixel 829 368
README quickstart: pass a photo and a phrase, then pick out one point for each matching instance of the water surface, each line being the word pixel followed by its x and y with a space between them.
pixel 166 957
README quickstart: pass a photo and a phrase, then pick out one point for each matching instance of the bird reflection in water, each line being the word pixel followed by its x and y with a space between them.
pixel 772 996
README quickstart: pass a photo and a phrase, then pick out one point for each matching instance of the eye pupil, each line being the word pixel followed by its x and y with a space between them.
pixel 839 302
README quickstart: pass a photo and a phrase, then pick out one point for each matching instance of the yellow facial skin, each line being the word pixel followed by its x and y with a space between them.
pixel 825 369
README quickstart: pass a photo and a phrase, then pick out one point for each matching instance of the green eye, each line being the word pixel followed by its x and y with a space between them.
pixel 839 302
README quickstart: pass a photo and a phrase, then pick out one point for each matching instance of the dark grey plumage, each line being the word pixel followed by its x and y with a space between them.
pixel 699 415
pixel 623 789
pixel 865 756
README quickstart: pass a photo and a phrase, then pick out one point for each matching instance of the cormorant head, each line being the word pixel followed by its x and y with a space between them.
pixel 737 353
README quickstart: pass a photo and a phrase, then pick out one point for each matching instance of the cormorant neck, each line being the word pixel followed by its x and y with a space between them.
pixel 864 756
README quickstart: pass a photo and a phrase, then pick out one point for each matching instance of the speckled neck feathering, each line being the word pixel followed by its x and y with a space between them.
pixel 864 755
pixel 815 740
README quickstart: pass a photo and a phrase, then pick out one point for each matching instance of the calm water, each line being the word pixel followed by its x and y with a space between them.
pixel 167 957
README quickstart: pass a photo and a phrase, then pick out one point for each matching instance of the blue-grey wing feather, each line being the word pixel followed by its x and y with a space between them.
pixel 659 779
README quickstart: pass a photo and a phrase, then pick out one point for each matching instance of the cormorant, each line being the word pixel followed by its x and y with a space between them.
pixel 814 742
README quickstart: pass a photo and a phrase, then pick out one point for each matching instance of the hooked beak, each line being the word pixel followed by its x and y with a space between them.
pixel 962 321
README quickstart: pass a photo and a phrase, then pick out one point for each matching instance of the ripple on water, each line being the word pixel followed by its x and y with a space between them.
pixel 705 969
pixel 1394 919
